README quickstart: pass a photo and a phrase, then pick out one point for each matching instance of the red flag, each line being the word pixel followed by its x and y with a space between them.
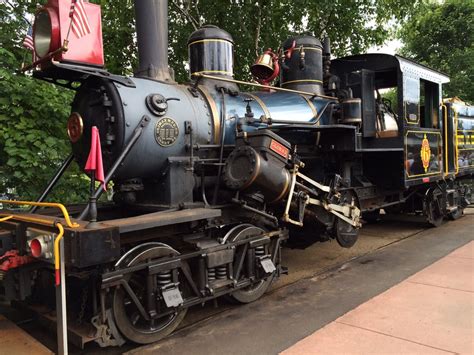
pixel 94 161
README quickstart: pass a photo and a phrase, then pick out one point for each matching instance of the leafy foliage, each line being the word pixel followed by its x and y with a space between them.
pixel 118 26
pixel 442 37
pixel 14 19
pixel 353 26
pixel 32 136
pixel 33 140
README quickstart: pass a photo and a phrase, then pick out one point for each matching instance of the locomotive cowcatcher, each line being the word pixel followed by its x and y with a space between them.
pixel 209 181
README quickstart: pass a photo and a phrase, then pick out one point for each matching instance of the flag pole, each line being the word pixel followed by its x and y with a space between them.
pixel 92 204
pixel 95 168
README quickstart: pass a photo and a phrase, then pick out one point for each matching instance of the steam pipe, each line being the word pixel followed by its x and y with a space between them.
pixel 152 39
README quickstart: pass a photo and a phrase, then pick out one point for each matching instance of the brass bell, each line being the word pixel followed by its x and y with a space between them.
pixel 263 68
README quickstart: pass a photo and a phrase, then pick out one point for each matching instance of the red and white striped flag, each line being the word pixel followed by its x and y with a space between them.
pixel 80 22
pixel 29 44
pixel 28 41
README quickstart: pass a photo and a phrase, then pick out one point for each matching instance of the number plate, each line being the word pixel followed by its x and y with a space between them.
pixel 172 297
pixel 267 265
pixel 279 148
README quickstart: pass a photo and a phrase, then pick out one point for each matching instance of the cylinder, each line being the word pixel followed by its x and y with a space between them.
pixel 249 171
pixel 211 51
pixel 303 70
pixel 152 39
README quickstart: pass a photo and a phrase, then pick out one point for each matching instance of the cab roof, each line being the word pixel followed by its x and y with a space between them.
pixel 387 62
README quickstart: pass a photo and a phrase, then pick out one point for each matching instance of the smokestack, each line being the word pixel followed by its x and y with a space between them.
pixel 152 38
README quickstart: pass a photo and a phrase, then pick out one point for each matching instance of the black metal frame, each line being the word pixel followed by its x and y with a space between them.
pixel 65 74
pixel 201 290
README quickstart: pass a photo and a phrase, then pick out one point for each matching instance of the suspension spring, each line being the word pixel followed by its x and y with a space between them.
pixel 260 251
pixel 211 274
pixel 163 278
pixel 221 272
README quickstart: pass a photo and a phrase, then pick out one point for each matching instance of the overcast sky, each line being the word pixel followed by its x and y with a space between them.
pixel 390 47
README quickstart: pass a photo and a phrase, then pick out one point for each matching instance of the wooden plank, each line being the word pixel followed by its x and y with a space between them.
pixel 14 340
pixel 159 219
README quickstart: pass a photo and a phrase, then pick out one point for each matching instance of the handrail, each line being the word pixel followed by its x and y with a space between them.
pixel 60 206
pixel 46 222
pixel 56 253
pixel 5 218
pixel 456 145
pixel 57 240
pixel 276 88
pixel 446 154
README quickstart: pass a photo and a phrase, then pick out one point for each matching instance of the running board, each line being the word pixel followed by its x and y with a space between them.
pixel 163 218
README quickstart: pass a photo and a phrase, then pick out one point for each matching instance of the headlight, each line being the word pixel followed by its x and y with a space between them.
pixel 42 39
pixel 46 32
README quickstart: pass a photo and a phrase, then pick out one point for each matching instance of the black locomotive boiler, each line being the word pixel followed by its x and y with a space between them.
pixel 210 180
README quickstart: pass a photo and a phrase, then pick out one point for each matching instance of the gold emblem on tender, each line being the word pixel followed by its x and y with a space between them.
pixel 425 153
pixel 166 132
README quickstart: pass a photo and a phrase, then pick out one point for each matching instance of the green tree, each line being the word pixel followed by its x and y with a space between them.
pixel 442 37
pixel 353 26
pixel 33 136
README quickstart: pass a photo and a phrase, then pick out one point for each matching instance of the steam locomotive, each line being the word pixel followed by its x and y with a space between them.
pixel 209 181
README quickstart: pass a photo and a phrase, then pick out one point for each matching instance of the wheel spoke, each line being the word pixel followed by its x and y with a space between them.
pixel 134 318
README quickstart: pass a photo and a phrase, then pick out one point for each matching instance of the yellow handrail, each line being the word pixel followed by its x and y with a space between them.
pixel 60 235
pixel 57 264
pixel 47 222
pixel 60 227
pixel 60 206
pixel 446 155
pixel 5 218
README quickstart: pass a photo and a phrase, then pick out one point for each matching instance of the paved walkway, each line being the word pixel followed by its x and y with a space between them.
pixel 14 341
pixel 431 312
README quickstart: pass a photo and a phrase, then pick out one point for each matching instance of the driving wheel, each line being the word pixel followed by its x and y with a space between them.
pixel 153 320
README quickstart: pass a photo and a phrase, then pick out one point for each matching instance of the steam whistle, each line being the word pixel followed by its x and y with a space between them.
pixel 287 55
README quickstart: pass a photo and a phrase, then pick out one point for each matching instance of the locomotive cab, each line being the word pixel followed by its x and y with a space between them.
pixel 401 111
